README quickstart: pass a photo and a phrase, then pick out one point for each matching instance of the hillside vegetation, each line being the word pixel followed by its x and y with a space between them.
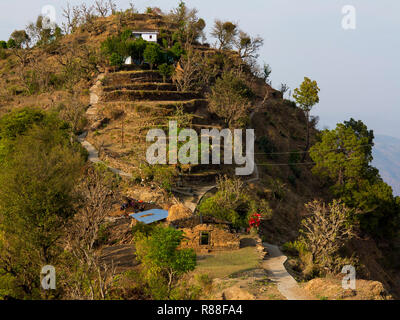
pixel 316 193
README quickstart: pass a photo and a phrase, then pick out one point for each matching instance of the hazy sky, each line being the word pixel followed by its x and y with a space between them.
pixel 358 70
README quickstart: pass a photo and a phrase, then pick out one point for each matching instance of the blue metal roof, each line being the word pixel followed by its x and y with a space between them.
pixel 151 216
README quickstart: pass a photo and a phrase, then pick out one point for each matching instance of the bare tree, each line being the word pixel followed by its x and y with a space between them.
pixel 68 15
pixel 229 99
pixel 132 8
pixel 104 8
pixel 326 231
pixel 73 112
pixel 77 16
pixel 101 7
pixel 82 236
pixel 284 88
pixel 248 46
pixel 225 33
pixel 193 72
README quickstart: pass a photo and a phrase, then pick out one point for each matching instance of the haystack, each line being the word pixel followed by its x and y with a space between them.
pixel 179 212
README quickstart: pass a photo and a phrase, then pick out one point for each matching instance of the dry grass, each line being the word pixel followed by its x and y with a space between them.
pixel 225 264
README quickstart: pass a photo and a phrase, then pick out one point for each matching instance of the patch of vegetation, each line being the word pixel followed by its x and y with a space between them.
pixel 233 203
pixel 343 157
pixel 223 264
pixel 163 264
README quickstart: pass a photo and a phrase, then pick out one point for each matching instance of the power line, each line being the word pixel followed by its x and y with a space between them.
pixel 302 152
pixel 299 163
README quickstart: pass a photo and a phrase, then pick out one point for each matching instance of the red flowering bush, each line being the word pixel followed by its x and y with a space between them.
pixel 254 221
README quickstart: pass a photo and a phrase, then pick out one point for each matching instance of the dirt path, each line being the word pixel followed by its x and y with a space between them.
pixel 274 265
pixel 94 155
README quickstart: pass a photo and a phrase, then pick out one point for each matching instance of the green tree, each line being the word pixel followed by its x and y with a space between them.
pixel 248 46
pixel 166 70
pixel 21 38
pixel 116 60
pixel 307 97
pixel 190 26
pixel 162 262
pixel 231 203
pixel 37 181
pixel 225 33
pixel 3 44
pixel 230 99
pixel 11 44
pixel 343 157
pixel 39 34
pixel 153 54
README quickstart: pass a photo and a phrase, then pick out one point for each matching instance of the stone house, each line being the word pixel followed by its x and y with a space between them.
pixel 203 236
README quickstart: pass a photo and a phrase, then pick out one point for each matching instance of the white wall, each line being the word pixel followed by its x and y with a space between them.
pixel 151 37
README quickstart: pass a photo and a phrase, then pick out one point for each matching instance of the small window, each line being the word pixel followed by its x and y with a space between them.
pixel 151 37
pixel 204 238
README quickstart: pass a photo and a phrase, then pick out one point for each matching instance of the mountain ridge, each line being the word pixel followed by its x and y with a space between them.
pixel 387 160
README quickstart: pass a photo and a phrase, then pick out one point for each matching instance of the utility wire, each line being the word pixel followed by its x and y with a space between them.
pixel 302 152
pixel 299 163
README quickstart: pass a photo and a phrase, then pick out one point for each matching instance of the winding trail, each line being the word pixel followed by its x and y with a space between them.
pixel 94 155
pixel 274 265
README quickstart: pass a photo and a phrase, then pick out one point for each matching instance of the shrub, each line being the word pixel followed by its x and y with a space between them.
pixel 153 55
pixel 144 229
pixel 231 203
pixel 3 54
pixel 164 176
pixel 230 99
pixel 116 60
pixel 325 232
pixel 11 44
pixel 166 71
pixel 163 264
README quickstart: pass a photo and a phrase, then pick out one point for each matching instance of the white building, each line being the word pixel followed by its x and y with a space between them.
pixel 150 36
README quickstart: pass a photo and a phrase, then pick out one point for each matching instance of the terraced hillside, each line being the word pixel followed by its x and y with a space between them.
pixel 126 105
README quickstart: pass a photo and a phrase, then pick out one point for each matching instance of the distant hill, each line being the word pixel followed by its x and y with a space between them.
pixel 387 160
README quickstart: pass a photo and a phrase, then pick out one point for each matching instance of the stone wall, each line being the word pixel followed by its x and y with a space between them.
pixel 219 238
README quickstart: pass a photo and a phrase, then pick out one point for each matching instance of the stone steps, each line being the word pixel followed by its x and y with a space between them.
pixel 203 176
pixel 148 95
pixel 123 77
pixel 146 86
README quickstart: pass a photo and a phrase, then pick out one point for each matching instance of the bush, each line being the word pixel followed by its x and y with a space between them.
pixel 163 264
pixel 164 176
pixel 231 203
pixel 11 44
pixel 166 71
pixel 3 54
pixel 144 229
pixel 116 60
pixel 153 55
